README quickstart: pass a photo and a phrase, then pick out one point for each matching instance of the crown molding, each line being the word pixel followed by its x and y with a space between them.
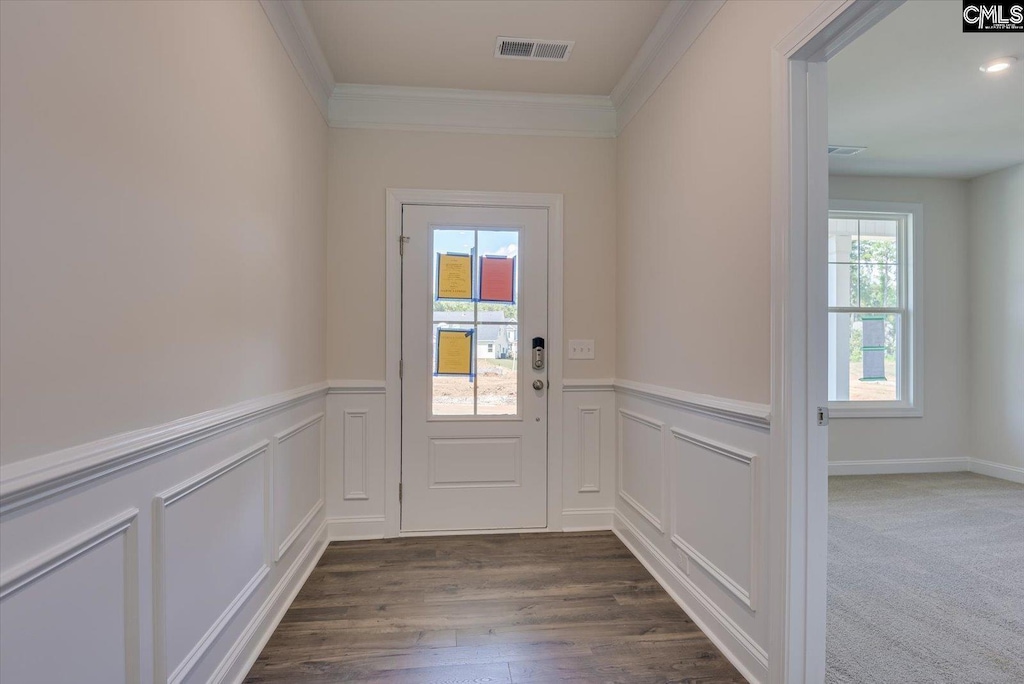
pixel 290 22
pixel 679 26
pixel 485 111
pixel 471 111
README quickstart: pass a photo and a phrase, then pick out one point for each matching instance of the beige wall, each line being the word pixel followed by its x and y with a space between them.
pixel 997 316
pixel 363 163
pixel 943 430
pixel 163 178
pixel 694 213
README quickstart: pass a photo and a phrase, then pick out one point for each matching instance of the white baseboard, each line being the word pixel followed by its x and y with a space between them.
pixel 587 519
pixel 1003 472
pixel 898 466
pixel 356 527
pixel 254 637
pixel 738 647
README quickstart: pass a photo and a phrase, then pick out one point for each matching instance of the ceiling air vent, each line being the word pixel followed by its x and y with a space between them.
pixel 533 48
pixel 844 150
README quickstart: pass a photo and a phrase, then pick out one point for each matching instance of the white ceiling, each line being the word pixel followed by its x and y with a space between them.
pixel 910 90
pixel 450 44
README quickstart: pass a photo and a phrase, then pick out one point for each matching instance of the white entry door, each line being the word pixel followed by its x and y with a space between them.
pixel 474 403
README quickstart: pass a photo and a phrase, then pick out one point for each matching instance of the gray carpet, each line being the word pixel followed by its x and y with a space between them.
pixel 925 579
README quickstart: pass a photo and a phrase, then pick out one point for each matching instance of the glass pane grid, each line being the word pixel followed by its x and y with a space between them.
pixel 492 386
pixel 865 284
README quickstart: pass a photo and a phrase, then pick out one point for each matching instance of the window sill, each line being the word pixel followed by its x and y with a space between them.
pixel 873 410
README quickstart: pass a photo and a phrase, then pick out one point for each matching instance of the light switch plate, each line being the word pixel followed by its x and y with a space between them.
pixel 581 349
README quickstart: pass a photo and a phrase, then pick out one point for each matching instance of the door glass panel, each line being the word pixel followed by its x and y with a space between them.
pixel 492 386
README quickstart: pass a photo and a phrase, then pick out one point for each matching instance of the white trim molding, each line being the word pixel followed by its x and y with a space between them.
pixel 54 559
pixel 243 653
pixel 737 646
pixel 587 519
pixel 680 24
pixel 746 595
pixel 471 111
pixel 659 427
pixel 588 457
pixel 28 481
pixel 347 105
pixel 291 24
pixel 356 387
pixel 161 502
pixel 896 466
pixel 356 527
pixel 279 439
pixel 731 410
pixel 42 565
pixel 595 385
pixel 1000 470
pixel 797 474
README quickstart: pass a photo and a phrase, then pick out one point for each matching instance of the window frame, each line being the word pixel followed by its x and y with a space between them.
pixel 910 375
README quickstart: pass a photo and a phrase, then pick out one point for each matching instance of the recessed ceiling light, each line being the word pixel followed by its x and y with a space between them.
pixel 997 65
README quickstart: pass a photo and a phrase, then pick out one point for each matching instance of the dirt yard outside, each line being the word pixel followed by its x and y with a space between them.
pixel 497 385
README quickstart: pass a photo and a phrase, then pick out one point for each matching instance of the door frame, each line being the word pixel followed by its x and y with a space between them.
pixel 798 476
pixel 396 199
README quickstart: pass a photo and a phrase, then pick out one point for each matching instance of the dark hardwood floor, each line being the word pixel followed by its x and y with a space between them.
pixel 495 608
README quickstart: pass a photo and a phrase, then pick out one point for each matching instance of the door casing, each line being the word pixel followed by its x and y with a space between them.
pixel 396 199
pixel 798 463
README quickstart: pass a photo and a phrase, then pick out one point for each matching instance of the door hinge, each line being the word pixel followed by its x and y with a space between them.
pixel 822 415
pixel 399 491
pixel 401 368
pixel 402 239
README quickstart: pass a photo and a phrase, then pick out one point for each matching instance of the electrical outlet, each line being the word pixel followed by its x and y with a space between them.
pixel 581 349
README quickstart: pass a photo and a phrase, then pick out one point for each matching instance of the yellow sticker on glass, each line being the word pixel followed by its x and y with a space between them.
pixel 454 276
pixel 454 352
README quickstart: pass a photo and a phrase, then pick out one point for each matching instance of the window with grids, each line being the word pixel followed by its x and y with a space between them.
pixel 870 308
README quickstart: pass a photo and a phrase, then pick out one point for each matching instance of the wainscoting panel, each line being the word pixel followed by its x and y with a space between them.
pixel 705 544
pixel 588 453
pixel 642 466
pixel 93 574
pixel 298 480
pixel 726 550
pixel 355 460
pixel 149 556
pixel 206 567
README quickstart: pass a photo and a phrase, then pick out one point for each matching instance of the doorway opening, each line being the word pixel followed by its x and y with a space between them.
pixel 870 356
pixel 474 379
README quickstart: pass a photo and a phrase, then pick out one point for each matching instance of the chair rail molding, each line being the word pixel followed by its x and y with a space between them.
pixel 356 387
pixel 734 411
pixel 25 482
pixel 588 385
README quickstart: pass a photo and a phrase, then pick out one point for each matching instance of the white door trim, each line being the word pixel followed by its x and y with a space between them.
pixel 798 470
pixel 396 197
